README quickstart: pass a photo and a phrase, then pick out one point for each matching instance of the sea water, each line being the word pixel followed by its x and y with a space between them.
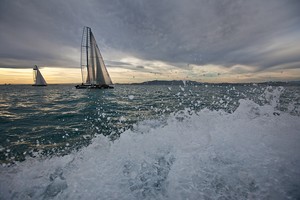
pixel 150 142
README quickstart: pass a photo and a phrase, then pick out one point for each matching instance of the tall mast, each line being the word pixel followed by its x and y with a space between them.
pixel 81 64
pixel 87 51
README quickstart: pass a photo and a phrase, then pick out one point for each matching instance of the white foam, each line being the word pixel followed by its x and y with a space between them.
pixel 252 153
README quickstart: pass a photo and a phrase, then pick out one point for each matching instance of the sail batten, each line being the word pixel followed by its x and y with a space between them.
pixel 93 68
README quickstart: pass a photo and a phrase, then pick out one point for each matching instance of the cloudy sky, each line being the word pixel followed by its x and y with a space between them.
pixel 140 40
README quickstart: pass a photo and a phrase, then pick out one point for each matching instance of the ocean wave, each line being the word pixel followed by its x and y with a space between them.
pixel 251 153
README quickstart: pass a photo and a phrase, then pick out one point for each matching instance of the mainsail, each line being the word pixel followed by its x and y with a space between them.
pixel 38 78
pixel 93 69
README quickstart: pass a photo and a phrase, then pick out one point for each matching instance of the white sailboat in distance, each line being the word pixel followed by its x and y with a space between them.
pixel 93 70
pixel 38 77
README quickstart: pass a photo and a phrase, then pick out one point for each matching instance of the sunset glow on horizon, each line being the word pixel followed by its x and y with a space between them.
pixel 206 74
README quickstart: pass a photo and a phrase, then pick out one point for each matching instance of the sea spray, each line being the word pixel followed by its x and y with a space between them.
pixel 250 153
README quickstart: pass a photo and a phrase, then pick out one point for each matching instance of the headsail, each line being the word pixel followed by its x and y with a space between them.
pixel 38 77
pixel 93 69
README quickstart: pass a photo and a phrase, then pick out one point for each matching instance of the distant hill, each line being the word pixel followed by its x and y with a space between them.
pixel 281 83
pixel 173 82
pixel 183 82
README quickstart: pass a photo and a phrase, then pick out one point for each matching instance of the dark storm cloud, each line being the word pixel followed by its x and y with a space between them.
pixel 37 32
pixel 117 63
pixel 130 67
pixel 226 33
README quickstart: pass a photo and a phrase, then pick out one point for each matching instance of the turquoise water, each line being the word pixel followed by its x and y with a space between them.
pixel 163 142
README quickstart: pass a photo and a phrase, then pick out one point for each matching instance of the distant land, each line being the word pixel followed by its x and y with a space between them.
pixel 182 82
pixel 186 82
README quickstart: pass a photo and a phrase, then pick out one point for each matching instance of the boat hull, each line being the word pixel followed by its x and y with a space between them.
pixel 93 87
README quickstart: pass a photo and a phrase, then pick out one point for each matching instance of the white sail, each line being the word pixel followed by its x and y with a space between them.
pixel 93 69
pixel 38 77
pixel 101 74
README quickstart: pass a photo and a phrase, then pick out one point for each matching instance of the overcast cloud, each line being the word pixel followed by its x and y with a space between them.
pixel 262 34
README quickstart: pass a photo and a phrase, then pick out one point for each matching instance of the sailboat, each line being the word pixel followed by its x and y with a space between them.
pixel 38 77
pixel 93 70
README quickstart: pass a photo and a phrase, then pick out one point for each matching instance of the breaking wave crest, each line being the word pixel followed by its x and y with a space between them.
pixel 252 153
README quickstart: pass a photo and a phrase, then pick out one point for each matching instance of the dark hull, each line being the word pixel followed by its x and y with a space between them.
pixel 93 87
pixel 39 85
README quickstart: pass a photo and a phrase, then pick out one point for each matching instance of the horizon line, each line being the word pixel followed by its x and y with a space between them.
pixel 258 82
